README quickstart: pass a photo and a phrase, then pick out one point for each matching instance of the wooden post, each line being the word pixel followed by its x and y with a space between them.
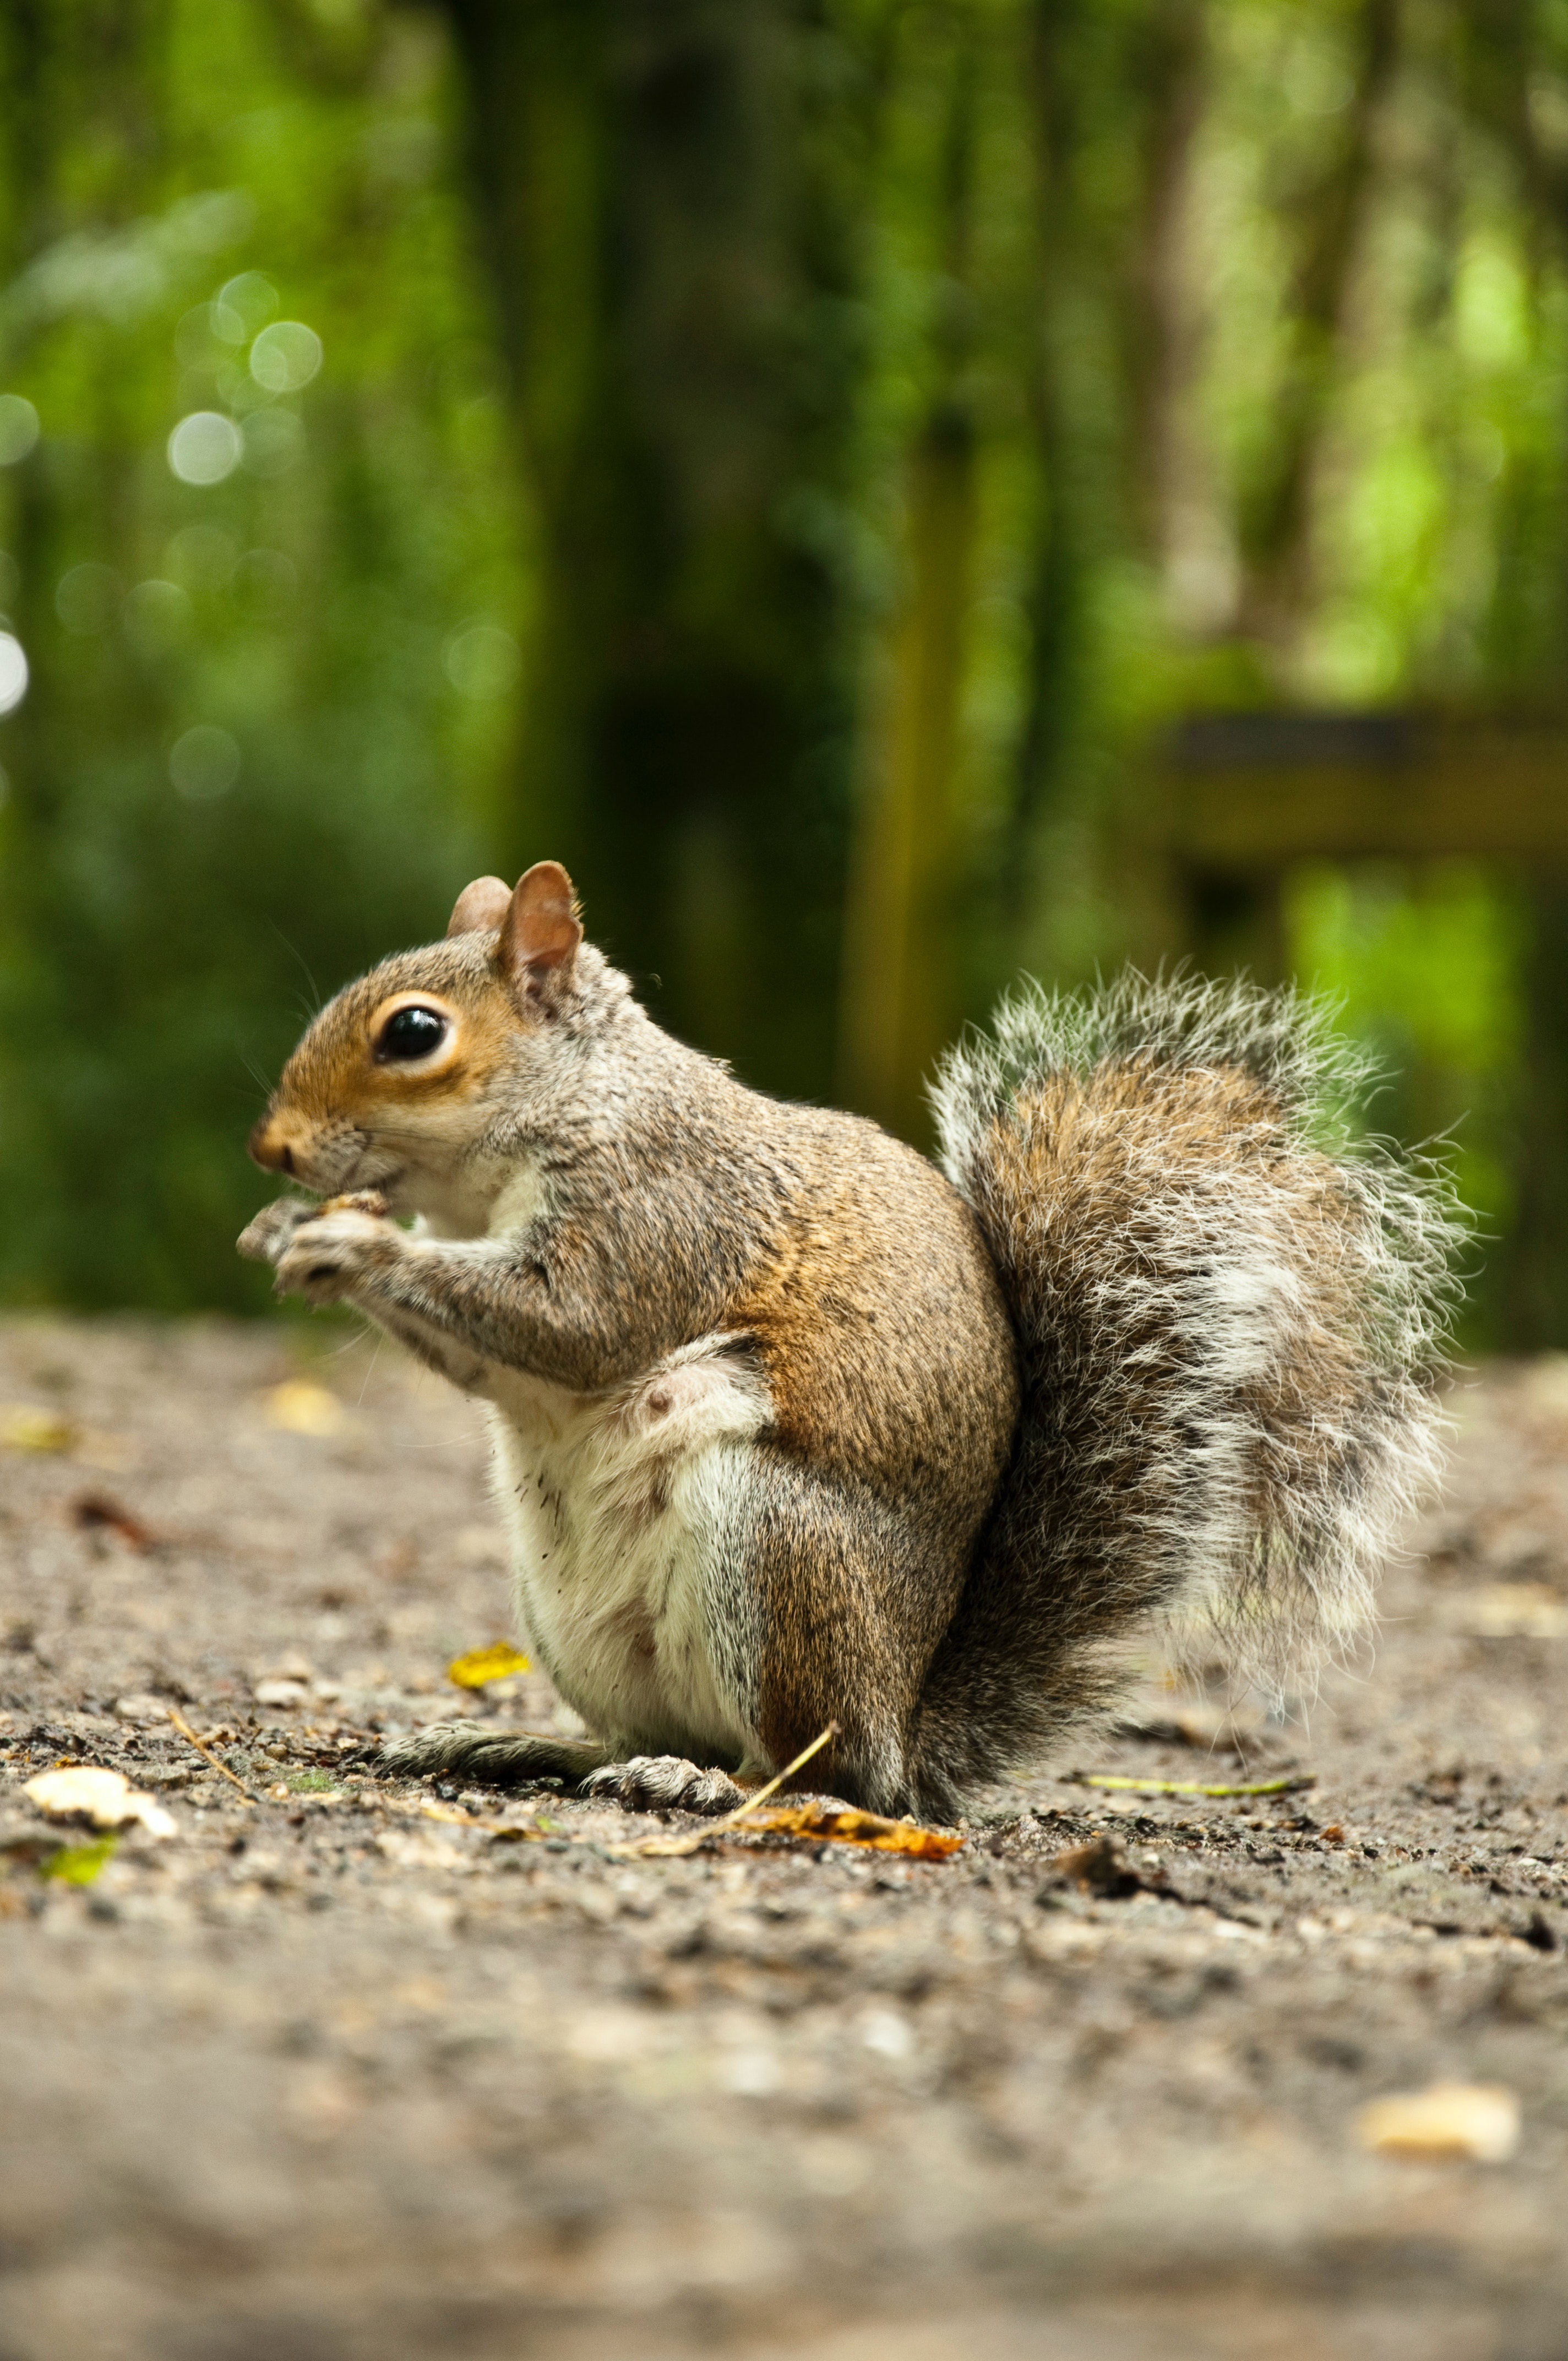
pixel 1240 795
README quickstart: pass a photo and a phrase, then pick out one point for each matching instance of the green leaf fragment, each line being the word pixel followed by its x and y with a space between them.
pixel 80 1864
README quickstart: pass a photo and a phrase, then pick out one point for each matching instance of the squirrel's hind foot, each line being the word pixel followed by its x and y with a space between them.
pixel 495 1758
pixel 511 1758
pixel 663 1783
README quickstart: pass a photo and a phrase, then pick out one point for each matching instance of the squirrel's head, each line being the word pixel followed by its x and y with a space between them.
pixel 395 1082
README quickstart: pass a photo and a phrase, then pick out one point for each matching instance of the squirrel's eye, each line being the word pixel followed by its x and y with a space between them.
pixel 411 1033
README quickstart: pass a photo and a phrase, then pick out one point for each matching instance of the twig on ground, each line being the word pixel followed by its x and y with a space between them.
pixel 189 1735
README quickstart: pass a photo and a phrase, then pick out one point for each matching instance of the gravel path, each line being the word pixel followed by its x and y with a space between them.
pixel 363 2068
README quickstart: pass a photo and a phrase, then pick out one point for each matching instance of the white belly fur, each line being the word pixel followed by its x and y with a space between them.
pixel 622 1507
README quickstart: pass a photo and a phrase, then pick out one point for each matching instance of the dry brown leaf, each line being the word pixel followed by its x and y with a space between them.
pixel 839 1823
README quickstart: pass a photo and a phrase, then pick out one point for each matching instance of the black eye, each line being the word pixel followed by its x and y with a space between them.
pixel 411 1033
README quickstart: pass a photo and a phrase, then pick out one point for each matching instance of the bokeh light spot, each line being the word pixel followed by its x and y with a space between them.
pixel 18 428
pixel 205 447
pixel 285 356
pixel 252 299
pixel 13 673
pixel 273 440
pixel 87 599
pixel 203 763
pixel 481 661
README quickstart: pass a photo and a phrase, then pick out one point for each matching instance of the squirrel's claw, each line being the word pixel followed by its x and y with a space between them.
pixel 663 1783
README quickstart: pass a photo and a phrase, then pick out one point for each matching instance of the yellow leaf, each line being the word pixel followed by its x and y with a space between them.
pixel 300 1408
pixel 482 1666
pixel 25 1428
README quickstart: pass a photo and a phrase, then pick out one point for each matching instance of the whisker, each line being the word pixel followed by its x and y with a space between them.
pixel 314 1009
pixel 370 1369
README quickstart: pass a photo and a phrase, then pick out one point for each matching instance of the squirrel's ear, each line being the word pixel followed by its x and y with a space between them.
pixel 480 907
pixel 541 931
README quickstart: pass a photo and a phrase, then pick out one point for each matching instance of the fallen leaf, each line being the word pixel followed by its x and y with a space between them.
pixel 299 1407
pixel 1479 2120
pixel 482 1666
pixel 80 1864
pixel 23 1427
pixel 1113 1780
pixel 104 1798
pixel 840 1824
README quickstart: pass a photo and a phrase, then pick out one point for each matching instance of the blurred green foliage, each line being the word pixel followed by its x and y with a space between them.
pixel 1427 971
pixel 169 191
pixel 791 458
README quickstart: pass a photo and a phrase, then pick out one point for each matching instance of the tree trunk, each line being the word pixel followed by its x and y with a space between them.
pixel 669 268
pixel 900 995
pixel 1275 516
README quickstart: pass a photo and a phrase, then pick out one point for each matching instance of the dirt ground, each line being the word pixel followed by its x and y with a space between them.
pixel 368 2068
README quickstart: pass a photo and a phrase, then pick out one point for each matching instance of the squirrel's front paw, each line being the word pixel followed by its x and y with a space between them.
pixel 267 1239
pixel 329 1255
pixel 663 1783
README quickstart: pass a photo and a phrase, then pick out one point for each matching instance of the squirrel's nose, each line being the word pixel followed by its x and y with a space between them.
pixel 268 1147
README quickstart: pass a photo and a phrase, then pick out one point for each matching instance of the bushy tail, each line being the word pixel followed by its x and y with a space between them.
pixel 1231 1315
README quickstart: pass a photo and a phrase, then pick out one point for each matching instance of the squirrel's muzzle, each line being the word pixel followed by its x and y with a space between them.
pixel 270 1145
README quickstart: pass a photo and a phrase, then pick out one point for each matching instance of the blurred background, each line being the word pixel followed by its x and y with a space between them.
pixel 892 494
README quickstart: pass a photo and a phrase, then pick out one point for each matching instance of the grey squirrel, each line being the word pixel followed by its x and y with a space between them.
pixel 793 1428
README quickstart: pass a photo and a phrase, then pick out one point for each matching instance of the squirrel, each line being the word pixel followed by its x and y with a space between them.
pixel 793 1428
